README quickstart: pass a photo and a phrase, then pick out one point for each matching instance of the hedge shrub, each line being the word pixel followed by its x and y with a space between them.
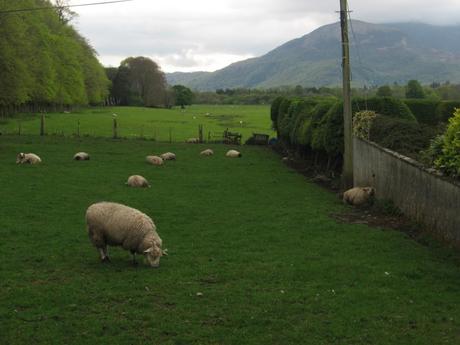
pixel 424 110
pixel 446 110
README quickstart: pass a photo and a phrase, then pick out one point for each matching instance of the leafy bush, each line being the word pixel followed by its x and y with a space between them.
pixel 424 110
pixel 362 122
pixel 446 110
pixel 449 159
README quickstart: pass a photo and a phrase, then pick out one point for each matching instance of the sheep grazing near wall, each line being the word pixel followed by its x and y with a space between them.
pixel 27 158
pixel 137 181
pixel 168 156
pixel 359 196
pixel 207 152
pixel 115 224
pixel 81 156
pixel 155 160
pixel 192 140
pixel 233 154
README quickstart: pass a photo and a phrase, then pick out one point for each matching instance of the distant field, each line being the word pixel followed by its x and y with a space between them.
pixel 150 123
pixel 254 256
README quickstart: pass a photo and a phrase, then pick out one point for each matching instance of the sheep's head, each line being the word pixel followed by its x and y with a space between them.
pixel 369 190
pixel 20 157
pixel 153 255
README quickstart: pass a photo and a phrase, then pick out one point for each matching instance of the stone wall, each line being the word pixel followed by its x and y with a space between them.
pixel 422 194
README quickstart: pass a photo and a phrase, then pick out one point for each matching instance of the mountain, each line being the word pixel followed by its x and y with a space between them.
pixel 380 54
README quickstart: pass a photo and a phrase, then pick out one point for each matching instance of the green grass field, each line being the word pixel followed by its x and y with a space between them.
pixel 252 236
pixel 148 122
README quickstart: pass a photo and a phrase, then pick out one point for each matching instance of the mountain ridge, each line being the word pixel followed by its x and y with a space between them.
pixel 380 54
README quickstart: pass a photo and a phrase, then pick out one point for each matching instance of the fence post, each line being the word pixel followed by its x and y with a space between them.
pixel 200 133
pixel 78 128
pixel 19 127
pixel 42 125
pixel 170 135
pixel 115 128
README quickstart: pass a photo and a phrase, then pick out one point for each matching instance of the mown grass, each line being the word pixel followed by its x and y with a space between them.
pixel 148 122
pixel 252 236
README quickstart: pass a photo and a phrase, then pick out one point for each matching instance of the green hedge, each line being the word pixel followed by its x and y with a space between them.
pixel 318 123
pixel 400 135
pixel 392 107
pixel 424 110
pixel 446 110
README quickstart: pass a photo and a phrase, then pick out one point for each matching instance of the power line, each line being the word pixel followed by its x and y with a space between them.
pixel 57 7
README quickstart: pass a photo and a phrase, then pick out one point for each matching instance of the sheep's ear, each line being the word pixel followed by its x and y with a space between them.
pixel 165 252
pixel 148 250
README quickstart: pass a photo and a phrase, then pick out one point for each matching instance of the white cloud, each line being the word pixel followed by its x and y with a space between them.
pixel 210 34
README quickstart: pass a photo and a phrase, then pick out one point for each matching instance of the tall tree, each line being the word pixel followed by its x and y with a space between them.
pixel 414 90
pixel 182 95
pixel 147 82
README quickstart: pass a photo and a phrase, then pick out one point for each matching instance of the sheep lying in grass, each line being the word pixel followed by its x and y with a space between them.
pixel 207 152
pixel 137 181
pixel 233 154
pixel 168 156
pixel 27 158
pixel 81 156
pixel 155 160
pixel 359 196
pixel 193 140
pixel 115 224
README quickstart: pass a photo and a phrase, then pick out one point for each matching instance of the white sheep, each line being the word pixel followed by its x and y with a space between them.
pixel 27 158
pixel 358 196
pixel 81 156
pixel 113 224
pixel 137 181
pixel 233 154
pixel 155 160
pixel 207 152
pixel 168 156
pixel 193 140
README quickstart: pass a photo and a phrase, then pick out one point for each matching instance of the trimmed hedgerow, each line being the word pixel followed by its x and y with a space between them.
pixel 446 110
pixel 424 110
pixel 392 107
pixel 400 135
pixel 274 110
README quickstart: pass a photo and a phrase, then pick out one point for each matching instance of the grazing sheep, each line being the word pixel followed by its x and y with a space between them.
pixel 233 154
pixel 27 158
pixel 358 196
pixel 113 224
pixel 137 181
pixel 168 156
pixel 155 160
pixel 81 156
pixel 207 152
pixel 193 140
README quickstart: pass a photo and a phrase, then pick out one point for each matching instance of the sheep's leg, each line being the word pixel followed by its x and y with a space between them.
pixel 103 253
pixel 134 258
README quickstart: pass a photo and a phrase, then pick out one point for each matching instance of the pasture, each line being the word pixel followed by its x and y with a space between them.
pixel 150 123
pixel 254 256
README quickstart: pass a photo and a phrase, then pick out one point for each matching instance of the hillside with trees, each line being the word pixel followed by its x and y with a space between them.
pixel 44 62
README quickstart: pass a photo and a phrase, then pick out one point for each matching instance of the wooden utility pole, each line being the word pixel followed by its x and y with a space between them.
pixel 347 172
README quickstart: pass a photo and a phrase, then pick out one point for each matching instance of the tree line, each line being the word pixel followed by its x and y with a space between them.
pixel 44 62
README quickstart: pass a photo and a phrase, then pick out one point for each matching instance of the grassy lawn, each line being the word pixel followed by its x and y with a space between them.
pixel 254 257
pixel 149 122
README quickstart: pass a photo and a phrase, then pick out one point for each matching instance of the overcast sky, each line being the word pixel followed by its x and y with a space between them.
pixel 205 35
